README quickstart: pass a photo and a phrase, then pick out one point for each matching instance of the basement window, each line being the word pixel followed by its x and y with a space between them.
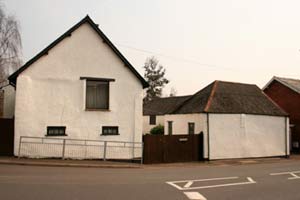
pixel 56 131
pixel 110 130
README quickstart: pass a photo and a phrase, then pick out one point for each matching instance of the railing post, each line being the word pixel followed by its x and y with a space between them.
pixel 104 150
pixel 19 150
pixel 63 150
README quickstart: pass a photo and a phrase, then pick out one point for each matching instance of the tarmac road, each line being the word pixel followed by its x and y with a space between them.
pixel 239 182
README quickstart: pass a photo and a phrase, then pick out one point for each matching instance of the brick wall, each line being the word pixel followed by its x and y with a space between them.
pixel 288 100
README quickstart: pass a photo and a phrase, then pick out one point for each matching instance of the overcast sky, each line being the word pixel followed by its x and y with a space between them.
pixel 197 41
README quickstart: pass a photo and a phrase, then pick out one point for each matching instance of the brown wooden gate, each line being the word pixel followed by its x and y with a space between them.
pixel 172 148
pixel 6 137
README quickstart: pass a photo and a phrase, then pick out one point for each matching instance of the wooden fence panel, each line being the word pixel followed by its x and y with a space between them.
pixel 172 148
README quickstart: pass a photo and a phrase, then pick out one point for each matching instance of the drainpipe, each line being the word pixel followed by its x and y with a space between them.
pixel 287 137
pixel 208 146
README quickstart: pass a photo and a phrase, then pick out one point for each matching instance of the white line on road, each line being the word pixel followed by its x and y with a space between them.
pixel 190 182
pixel 195 196
pixel 293 174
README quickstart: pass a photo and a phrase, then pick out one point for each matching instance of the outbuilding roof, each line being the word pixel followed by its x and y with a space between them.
pixel 293 84
pixel 162 106
pixel 12 78
pixel 231 98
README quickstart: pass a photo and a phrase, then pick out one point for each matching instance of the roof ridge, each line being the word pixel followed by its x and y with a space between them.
pixel 12 78
pixel 212 93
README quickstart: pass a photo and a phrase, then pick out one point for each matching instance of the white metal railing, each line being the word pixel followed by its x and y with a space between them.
pixel 42 147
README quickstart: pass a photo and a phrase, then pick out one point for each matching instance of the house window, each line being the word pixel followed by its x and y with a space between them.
pixel 110 130
pixel 191 128
pixel 56 131
pixel 170 127
pixel 97 94
pixel 152 119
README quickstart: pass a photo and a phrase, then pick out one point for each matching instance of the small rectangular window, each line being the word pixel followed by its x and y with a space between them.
pixel 191 128
pixel 56 131
pixel 152 119
pixel 170 127
pixel 110 130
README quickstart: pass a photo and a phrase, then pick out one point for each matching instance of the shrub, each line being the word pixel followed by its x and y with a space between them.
pixel 157 130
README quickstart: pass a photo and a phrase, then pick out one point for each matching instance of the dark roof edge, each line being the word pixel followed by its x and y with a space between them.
pixel 278 79
pixel 12 78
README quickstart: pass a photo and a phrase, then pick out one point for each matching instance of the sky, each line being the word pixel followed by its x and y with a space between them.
pixel 197 41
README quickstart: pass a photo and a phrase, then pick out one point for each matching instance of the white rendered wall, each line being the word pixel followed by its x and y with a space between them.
pixel 160 119
pixel 50 92
pixel 245 136
pixel 180 126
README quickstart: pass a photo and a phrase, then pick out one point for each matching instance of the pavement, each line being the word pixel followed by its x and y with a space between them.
pixel 265 179
pixel 128 164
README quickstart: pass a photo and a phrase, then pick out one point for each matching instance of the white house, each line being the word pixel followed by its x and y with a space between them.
pixel 79 87
pixel 155 110
pixel 237 120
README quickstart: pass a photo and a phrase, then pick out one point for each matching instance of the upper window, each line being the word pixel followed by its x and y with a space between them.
pixel 152 119
pixel 56 130
pixel 97 93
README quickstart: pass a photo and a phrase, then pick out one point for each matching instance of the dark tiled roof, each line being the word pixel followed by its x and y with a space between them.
pixel 161 106
pixel 228 97
pixel 12 78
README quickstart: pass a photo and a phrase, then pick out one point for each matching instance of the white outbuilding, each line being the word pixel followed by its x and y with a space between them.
pixel 79 87
pixel 237 121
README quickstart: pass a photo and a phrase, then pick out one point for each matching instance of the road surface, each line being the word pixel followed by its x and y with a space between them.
pixel 270 181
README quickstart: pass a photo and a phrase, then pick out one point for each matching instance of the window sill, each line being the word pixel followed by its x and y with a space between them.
pixel 109 134
pixel 94 109
pixel 55 135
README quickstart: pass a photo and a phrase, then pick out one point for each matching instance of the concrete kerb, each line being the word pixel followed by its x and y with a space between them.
pixel 67 163
pixel 108 164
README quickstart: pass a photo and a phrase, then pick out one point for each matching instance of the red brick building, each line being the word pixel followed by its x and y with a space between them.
pixel 286 93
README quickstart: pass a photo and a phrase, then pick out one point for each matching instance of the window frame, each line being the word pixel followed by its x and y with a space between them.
pixel 110 127
pixel 105 80
pixel 170 127
pixel 152 119
pixel 189 130
pixel 49 128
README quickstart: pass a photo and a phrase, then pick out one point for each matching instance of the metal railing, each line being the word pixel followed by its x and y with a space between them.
pixel 41 147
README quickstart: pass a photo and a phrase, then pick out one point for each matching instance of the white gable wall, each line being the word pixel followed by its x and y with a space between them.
pixel 180 126
pixel 160 119
pixel 245 136
pixel 50 92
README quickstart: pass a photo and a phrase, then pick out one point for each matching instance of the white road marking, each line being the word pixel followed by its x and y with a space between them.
pixel 190 182
pixel 293 174
pixel 195 196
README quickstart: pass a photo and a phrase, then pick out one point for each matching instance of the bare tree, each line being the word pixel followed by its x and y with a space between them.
pixel 10 44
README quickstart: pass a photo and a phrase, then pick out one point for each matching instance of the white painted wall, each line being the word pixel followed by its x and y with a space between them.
pixel 180 126
pixel 49 92
pixel 9 101
pixel 245 136
pixel 160 119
